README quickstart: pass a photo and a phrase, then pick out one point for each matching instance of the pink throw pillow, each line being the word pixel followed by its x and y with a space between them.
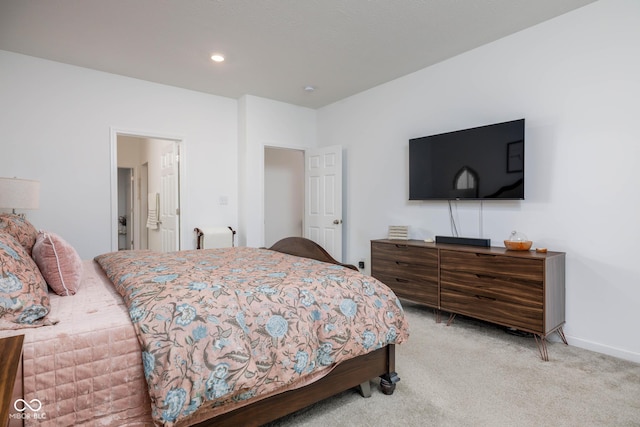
pixel 59 263
pixel 21 230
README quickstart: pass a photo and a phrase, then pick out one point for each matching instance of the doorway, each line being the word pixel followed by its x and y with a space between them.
pixel 125 208
pixel 283 193
pixel 303 196
pixel 153 215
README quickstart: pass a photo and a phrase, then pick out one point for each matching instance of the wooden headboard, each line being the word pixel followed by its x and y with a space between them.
pixel 303 247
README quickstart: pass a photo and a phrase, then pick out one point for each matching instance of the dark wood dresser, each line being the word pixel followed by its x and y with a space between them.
pixel 523 290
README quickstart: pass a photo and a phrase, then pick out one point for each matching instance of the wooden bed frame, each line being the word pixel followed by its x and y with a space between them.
pixel 352 373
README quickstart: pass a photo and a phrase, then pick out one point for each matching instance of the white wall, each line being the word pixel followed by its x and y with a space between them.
pixel 576 81
pixel 56 126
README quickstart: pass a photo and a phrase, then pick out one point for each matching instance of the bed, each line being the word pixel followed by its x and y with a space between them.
pixel 87 368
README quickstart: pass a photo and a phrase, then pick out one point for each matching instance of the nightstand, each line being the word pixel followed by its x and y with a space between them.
pixel 10 378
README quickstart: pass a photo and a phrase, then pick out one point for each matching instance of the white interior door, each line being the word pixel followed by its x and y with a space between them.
pixel 323 198
pixel 169 183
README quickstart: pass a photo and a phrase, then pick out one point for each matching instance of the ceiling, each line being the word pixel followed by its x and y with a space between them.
pixel 273 48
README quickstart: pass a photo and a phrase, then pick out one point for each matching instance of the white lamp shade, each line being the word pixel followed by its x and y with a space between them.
pixel 18 193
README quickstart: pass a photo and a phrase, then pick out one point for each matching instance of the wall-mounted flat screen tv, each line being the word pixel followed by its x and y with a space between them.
pixel 481 163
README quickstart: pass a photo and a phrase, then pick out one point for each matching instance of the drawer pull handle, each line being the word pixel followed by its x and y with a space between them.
pixel 401 246
pixel 404 264
pixel 479 255
pixel 485 276
pixel 401 280
pixel 485 298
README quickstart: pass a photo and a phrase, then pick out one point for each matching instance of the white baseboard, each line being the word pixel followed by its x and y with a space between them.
pixel 604 349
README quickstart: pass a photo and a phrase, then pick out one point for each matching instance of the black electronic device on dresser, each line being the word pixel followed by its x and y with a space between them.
pixel 523 290
pixel 471 241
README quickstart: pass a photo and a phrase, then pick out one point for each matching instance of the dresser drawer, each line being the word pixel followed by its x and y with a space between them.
pixel 491 295
pixel 519 316
pixel 492 265
pixel 410 271
pixel 405 254
pixel 424 292
pixel 404 270
pixel 501 288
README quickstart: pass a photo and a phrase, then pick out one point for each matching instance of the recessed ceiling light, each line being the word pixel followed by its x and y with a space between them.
pixel 216 57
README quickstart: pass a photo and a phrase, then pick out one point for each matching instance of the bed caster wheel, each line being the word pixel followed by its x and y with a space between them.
pixel 388 383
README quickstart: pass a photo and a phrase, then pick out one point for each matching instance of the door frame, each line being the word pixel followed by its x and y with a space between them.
pixel 114 133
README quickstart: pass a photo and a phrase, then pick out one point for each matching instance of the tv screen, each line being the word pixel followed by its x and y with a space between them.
pixel 485 162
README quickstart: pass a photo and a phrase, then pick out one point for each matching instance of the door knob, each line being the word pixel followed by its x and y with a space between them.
pixel 337 221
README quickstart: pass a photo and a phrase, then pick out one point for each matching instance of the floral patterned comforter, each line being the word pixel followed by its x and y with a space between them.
pixel 225 325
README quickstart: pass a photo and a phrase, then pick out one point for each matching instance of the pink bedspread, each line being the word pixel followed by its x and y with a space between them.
pixel 222 326
pixel 85 370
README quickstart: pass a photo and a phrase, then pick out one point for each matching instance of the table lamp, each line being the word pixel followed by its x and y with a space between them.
pixel 16 193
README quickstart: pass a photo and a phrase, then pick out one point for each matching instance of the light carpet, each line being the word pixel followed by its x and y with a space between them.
pixel 475 374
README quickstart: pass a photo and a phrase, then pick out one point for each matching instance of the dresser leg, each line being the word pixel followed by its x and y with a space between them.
pixel 452 316
pixel 562 337
pixel 541 342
